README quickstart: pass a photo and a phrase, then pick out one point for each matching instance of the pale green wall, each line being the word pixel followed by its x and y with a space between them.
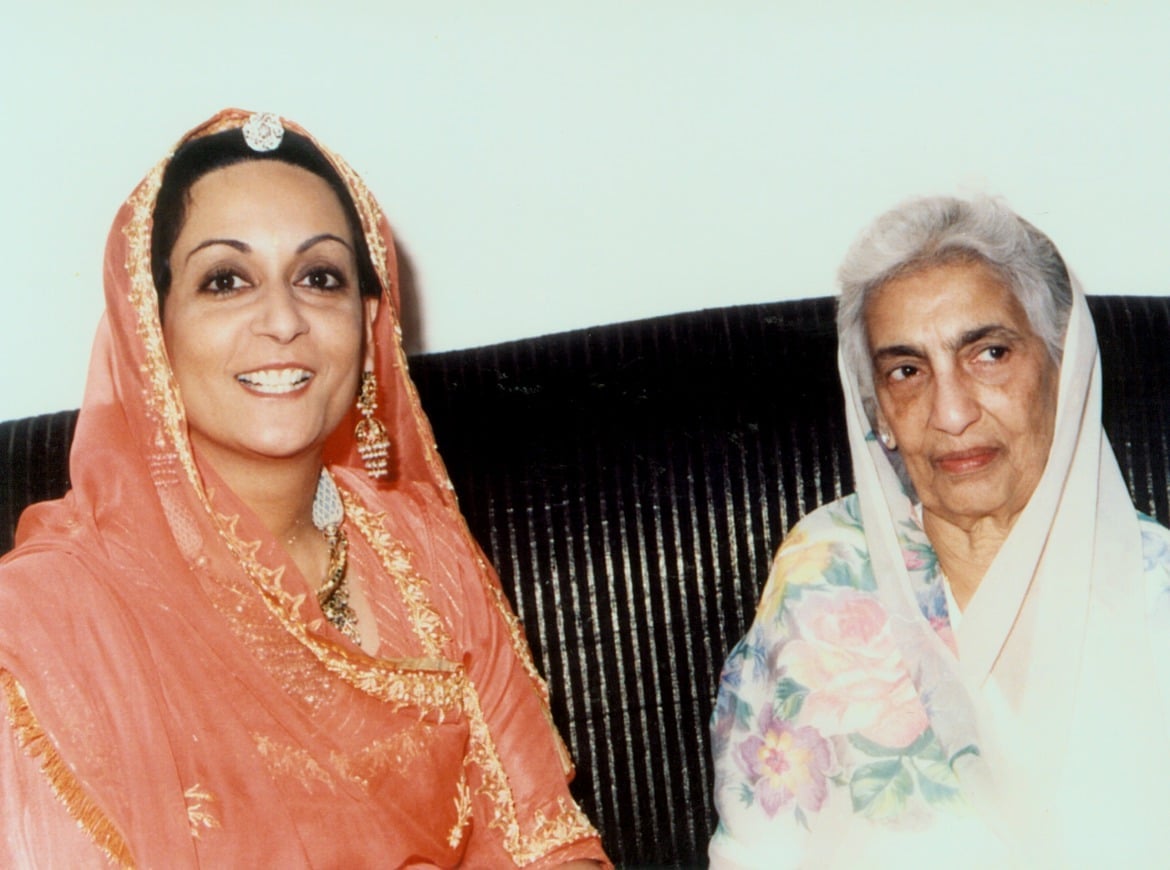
pixel 550 164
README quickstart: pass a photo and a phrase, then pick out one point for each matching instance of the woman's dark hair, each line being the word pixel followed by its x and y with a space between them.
pixel 198 157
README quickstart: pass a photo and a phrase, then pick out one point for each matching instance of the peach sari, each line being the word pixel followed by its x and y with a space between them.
pixel 174 696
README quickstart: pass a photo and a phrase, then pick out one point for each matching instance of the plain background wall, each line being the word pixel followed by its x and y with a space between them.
pixel 549 165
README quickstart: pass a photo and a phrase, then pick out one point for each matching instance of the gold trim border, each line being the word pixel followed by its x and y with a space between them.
pixel 37 745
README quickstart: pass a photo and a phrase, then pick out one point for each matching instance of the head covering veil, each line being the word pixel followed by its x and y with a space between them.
pixel 1054 663
pixel 130 367
pixel 150 612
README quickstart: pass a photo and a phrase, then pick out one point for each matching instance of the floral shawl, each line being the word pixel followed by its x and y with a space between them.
pixel 173 695
pixel 858 723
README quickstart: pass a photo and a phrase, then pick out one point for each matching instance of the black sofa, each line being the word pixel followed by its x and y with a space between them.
pixel 631 483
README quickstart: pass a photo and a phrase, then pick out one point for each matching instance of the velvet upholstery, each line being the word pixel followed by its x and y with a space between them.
pixel 631 483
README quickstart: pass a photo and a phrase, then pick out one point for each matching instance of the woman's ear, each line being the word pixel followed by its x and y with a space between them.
pixel 370 307
pixel 884 433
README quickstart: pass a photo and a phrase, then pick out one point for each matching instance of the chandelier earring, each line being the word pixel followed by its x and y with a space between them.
pixel 373 443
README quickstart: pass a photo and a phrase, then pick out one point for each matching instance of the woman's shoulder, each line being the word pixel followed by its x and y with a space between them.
pixel 411 511
pixel 840 518
pixel 833 533
pixel 826 552
pixel 43 569
pixel 415 498
pixel 58 593
pixel 818 716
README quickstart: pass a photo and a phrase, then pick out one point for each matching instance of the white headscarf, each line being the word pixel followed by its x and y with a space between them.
pixel 1056 680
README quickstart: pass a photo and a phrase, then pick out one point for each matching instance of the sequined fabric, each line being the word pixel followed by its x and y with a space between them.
pixel 746 397
pixel 173 690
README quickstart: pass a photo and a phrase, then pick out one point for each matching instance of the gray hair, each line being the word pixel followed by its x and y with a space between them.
pixel 933 231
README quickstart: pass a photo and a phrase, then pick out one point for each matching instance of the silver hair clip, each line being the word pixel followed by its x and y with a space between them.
pixel 263 131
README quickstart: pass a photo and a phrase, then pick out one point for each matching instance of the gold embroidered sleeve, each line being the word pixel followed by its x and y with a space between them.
pixel 36 745
pixel 525 840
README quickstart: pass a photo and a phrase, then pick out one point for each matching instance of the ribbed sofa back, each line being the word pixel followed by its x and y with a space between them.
pixel 630 483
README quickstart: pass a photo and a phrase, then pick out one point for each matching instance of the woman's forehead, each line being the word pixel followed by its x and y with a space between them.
pixel 940 304
pixel 261 193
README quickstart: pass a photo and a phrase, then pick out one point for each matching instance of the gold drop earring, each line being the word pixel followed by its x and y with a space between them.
pixel 373 443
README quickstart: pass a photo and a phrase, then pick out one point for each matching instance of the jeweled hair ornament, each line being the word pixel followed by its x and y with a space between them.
pixel 263 131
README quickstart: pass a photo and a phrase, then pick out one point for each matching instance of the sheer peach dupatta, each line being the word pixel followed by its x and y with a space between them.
pixel 171 680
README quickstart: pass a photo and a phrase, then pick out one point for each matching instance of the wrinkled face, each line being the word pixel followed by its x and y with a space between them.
pixel 965 387
pixel 264 324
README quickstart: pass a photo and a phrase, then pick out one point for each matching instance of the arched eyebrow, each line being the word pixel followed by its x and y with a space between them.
pixel 991 330
pixel 965 339
pixel 898 350
pixel 242 247
pixel 245 248
pixel 322 237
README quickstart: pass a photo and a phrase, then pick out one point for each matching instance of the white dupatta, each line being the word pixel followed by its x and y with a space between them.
pixel 1056 680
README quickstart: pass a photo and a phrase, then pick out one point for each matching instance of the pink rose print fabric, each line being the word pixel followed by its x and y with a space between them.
pixel 821 729
pixel 816 707
pixel 845 656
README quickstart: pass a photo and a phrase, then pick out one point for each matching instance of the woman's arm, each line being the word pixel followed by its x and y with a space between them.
pixel 36 830
pixel 521 809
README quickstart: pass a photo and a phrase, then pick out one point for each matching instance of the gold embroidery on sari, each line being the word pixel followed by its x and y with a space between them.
pixel 569 824
pixel 199 814
pixel 37 745
pixel 524 655
pixel 368 211
pixel 162 392
pixel 430 684
pixel 462 813
pixel 395 558
pixel 291 761
pixel 436 690
pixel 516 635
pixel 391 753
pixel 396 752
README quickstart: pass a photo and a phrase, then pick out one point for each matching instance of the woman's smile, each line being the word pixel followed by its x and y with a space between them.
pixel 264 323
pixel 276 381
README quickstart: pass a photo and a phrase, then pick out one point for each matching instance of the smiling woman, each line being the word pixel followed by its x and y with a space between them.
pixel 264 324
pixel 942 664
pixel 242 642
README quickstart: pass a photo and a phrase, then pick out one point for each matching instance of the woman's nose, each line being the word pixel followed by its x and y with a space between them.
pixel 279 315
pixel 954 405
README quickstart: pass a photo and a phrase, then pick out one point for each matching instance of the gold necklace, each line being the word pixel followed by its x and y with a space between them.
pixel 333 596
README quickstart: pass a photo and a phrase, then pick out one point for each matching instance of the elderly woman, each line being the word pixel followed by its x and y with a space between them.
pixel 257 632
pixel 966 662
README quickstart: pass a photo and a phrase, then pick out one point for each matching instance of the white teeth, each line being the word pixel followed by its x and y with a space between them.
pixel 274 380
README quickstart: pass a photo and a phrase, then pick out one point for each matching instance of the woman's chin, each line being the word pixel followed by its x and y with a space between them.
pixel 977 492
pixel 968 505
pixel 272 448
